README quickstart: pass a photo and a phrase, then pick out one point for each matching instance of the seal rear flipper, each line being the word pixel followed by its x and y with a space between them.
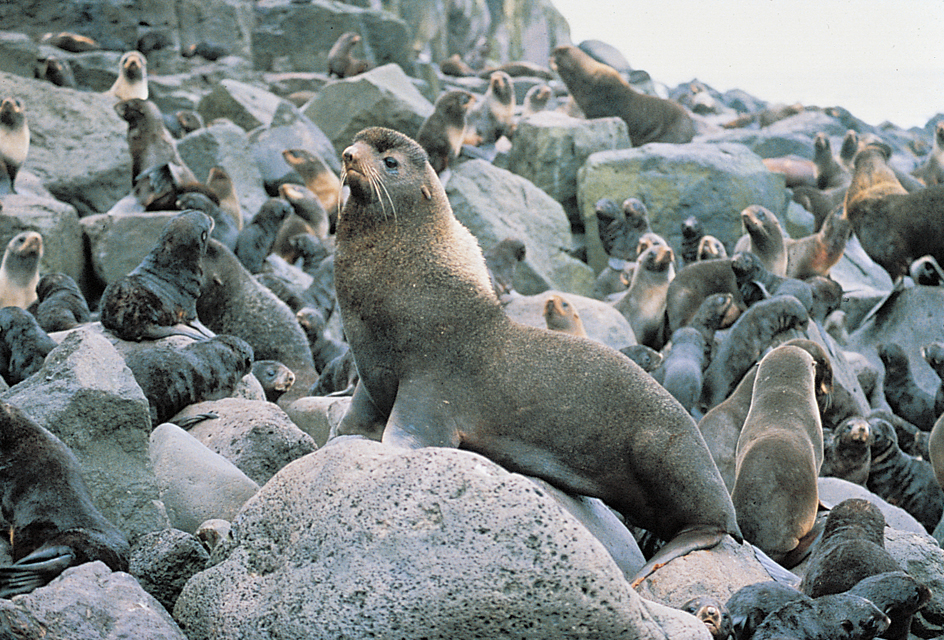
pixel 189 421
pixel 156 332
pixel 420 419
pixel 693 538
pixel 363 417
pixel 34 570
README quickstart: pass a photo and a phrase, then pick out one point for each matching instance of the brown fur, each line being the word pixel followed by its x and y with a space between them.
pixel 561 315
pixel 444 131
pixel 341 61
pixel 816 254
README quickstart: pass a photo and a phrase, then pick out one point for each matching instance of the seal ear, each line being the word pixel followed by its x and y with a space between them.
pixel 426 192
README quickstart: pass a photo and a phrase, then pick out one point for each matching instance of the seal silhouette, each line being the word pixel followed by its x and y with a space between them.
pixel 460 373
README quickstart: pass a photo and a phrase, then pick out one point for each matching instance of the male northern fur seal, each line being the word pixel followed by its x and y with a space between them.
pixel 441 364
pixel 53 523
pixel 601 91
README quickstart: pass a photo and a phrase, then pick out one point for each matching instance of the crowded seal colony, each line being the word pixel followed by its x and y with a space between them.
pixel 296 330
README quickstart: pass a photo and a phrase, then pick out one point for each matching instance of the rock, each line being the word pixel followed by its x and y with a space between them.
pixel 534 29
pixel 257 437
pixel 163 561
pixel 58 224
pixel 495 204
pixel 78 144
pixel 601 321
pixel 318 416
pixel 717 572
pixel 382 97
pixel 88 602
pixel 856 271
pixel 808 123
pixel 283 38
pixel 245 105
pixel 227 22
pixel 18 53
pixel 87 396
pixel 437 543
pixel 763 142
pixel 226 145
pixel 118 242
pixel 196 483
pixel 711 182
pixel 550 147
pixel 920 555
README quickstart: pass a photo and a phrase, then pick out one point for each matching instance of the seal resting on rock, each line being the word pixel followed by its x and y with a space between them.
pixel 60 304
pixel 442 365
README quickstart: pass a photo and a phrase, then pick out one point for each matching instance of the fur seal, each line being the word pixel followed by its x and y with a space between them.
pixel 601 91
pixel 308 207
pixel 444 131
pixel 926 271
pixel 175 378
pixel 149 142
pixel 721 426
pixel 695 282
pixel 751 604
pixel 850 146
pixel 714 614
pixel 23 345
pixel 256 239
pixel 646 357
pixel 931 171
pixel 841 615
pixel 461 373
pixel 710 248
pixel 502 260
pixel 829 171
pixel 324 348
pixel 318 178
pixel 19 271
pixel 14 139
pixel 692 233
pixel 901 479
pixel 750 271
pixel 560 315
pixel 158 298
pixel 903 394
pixel 620 228
pixel 816 254
pixel 494 115
pixel 750 335
pixel 219 182
pixel 341 61
pixel 132 77
pixel 847 452
pixel 60 304
pixel 57 71
pixel 797 171
pixel 893 226
pixel 764 238
pixel 338 378
pixel 535 100
pixel 852 548
pixel 224 229
pixel 53 522
pixel 933 354
pixel 71 42
pixel 455 66
pixel 274 377
pixel 643 304
pixel 897 595
pixel 779 453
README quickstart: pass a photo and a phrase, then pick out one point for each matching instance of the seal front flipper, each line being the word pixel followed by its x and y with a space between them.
pixel 690 539
pixel 35 570
pixel 363 417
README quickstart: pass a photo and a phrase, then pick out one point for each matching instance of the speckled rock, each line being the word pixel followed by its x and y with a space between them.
pixel 163 561
pixel 496 204
pixel 437 543
pixel 318 416
pixel 257 437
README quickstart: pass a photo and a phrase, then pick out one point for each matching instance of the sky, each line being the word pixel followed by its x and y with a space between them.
pixel 882 61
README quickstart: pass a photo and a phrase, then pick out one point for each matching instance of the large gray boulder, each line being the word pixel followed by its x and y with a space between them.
pixel 196 484
pixel 434 543
pixel 163 561
pixel 257 437
pixel 118 242
pixel 318 416
pixel 89 602
pixel 246 105
pixel 87 396
pixel 78 144
pixel 763 142
pixel 283 37
pixel 382 97
pixel 713 182
pixel 550 147
pixel 18 53
pixel 496 204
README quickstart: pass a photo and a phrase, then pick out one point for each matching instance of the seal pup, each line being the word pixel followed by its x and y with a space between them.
pixel 926 271
pixel 132 77
pixel 53 522
pixel 175 378
pixel 57 71
pixel 713 613
pixel 318 178
pixel 19 271
pixel 274 377
pixel 14 139
pixel 224 229
pixel 158 298
pixel 219 182
pixel 535 100
pixel 341 60
pixel 502 260
pixel 646 357
pixel 71 42
pixel 903 394
pixel 750 272
pixel 817 253
pixel 442 134
pixel 694 283
pixel 692 233
pixel 256 239
pixel 494 115
pixel 23 345
pixel 841 615
pixel 600 91
pixel 751 604
pixel 898 595
pixel 779 453
pixel 829 171
pixel 933 354
pixel 149 142
pixel 893 226
pixel 463 374
pixel 847 451
pixel 764 238
pixel 324 348
pixel 561 315
pixel 643 304
pixel 931 171
pixel 59 304
pixel 455 66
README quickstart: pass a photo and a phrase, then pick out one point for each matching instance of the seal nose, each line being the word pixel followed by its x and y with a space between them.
pixel 350 155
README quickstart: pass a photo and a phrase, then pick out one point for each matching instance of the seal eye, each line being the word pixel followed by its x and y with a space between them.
pixel 392 164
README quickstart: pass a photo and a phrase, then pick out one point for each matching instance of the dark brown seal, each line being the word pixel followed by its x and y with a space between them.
pixel 903 394
pixel 274 377
pixel 256 239
pixel 57 71
pixel 71 42
pixel 14 139
pixel 461 373
pixel 175 378
pixel 601 92
pixel 779 453
pixel 341 60
pixel 53 523
pixel 713 613
pixel 444 131
pixel 149 142
pixel 840 615
pixel 23 345
pixel 898 596
pixel 158 298
pixel 224 229
pixel 60 304
pixel 19 271
pixel 894 227
pixel 847 452
pixel 694 283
